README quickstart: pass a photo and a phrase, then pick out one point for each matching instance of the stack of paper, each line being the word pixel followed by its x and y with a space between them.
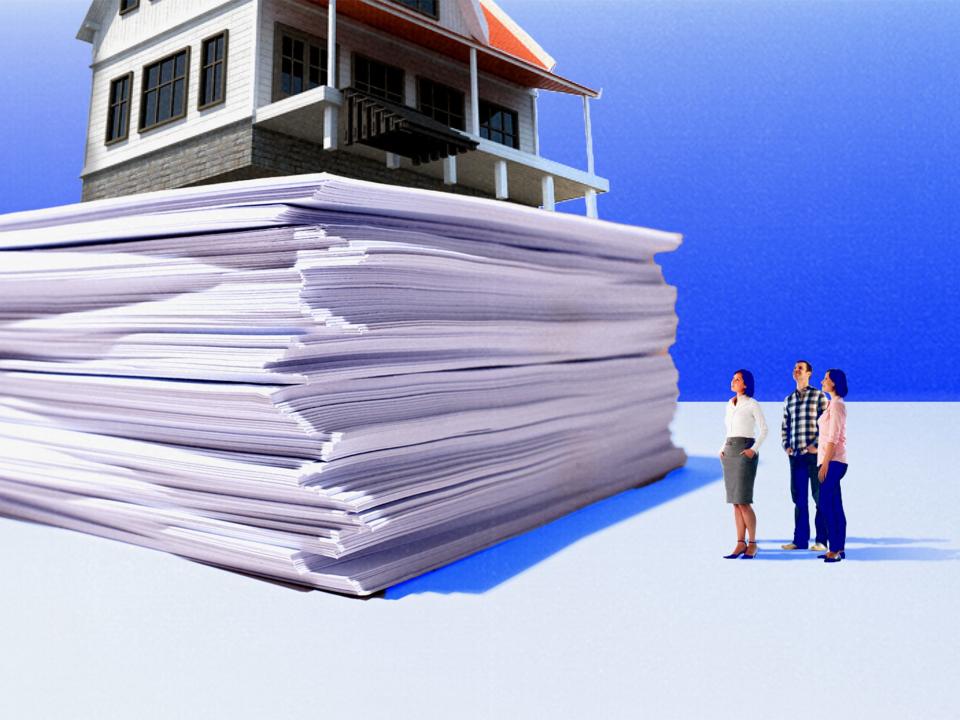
pixel 325 381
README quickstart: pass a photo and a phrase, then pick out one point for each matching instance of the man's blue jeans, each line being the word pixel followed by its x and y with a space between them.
pixel 803 474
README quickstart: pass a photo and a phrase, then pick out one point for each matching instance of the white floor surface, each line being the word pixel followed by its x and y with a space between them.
pixel 622 610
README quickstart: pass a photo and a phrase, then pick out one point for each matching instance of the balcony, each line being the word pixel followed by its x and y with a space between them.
pixel 401 137
pixel 400 130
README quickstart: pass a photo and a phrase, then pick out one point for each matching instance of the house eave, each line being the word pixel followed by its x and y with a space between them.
pixel 406 24
pixel 92 21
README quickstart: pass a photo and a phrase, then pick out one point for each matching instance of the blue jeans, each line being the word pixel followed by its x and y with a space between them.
pixel 831 502
pixel 803 473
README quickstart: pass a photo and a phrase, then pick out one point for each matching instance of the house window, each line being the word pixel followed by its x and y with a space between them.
pixel 163 91
pixel 213 70
pixel 118 112
pixel 378 79
pixel 499 124
pixel 427 7
pixel 299 61
pixel 440 102
pixel 128 5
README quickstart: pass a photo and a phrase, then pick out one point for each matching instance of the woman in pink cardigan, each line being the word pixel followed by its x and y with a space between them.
pixel 832 462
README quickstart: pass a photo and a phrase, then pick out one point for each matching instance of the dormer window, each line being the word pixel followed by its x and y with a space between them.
pixel 128 5
pixel 425 7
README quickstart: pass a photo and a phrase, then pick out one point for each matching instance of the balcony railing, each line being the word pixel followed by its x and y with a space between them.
pixel 400 129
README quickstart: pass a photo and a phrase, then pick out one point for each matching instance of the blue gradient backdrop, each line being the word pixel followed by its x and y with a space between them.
pixel 807 151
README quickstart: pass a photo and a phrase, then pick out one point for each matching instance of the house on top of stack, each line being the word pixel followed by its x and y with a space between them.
pixel 439 94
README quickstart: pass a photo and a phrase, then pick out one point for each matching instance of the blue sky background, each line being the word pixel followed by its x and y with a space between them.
pixel 807 150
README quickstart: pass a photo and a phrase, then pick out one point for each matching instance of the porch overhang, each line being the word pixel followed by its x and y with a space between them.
pixel 406 24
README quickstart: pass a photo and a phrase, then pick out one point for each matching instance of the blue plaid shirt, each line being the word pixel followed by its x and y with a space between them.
pixel 801 410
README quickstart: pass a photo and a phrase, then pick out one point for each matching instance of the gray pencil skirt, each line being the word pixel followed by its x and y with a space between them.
pixel 739 472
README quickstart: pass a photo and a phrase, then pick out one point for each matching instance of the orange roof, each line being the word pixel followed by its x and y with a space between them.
pixel 509 56
pixel 502 38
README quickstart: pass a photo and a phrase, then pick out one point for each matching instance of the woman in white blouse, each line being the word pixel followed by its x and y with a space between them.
pixel 746 430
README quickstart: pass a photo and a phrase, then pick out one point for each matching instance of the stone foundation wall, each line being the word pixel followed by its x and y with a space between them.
pixel 242 152
pixel 285 155
pixel 195 161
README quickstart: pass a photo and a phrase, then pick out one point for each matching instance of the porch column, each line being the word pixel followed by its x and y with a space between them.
pixel 500 179
pixel 536 121
pixel 331 115
pixel 589 133
pixel 332 43
pixel 546 185
pixel 474 94
pixel 450 170
pixel 590 197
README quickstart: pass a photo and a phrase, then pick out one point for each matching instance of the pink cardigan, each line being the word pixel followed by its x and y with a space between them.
pixel 833 428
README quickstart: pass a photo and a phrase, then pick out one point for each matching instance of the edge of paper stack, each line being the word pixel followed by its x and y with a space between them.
pixel 329 382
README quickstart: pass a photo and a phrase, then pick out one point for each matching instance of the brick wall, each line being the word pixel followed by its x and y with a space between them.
pixel 241 152
pixel 286 155
pixel 191 162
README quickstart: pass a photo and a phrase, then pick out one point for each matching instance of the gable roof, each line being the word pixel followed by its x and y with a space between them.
pixel 509 37
pixel 475 20
pixel 503 48
pixel 508 52
pixel 92 20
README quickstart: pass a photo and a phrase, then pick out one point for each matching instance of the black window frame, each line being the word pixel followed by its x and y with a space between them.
pixel 487 111
pixel 309 41
pixel 202 102
pixel 144 90
pixel 364 85
pixel 112 137
pixel 434 100
pixel 131 5
pixel 418 7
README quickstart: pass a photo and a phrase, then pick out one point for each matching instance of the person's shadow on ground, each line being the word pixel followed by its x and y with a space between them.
pixel 868 549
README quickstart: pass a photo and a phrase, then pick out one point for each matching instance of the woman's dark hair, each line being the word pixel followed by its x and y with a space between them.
pixel 839 379
pixel 748 382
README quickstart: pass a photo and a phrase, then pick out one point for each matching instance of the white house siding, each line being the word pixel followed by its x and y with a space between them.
pixel 238 19
pixel 354 37
pixel 121 32
pixel 514 97
pixel 451 14
pixel 302 16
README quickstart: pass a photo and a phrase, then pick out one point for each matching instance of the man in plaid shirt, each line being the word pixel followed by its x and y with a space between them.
pixel 798 435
